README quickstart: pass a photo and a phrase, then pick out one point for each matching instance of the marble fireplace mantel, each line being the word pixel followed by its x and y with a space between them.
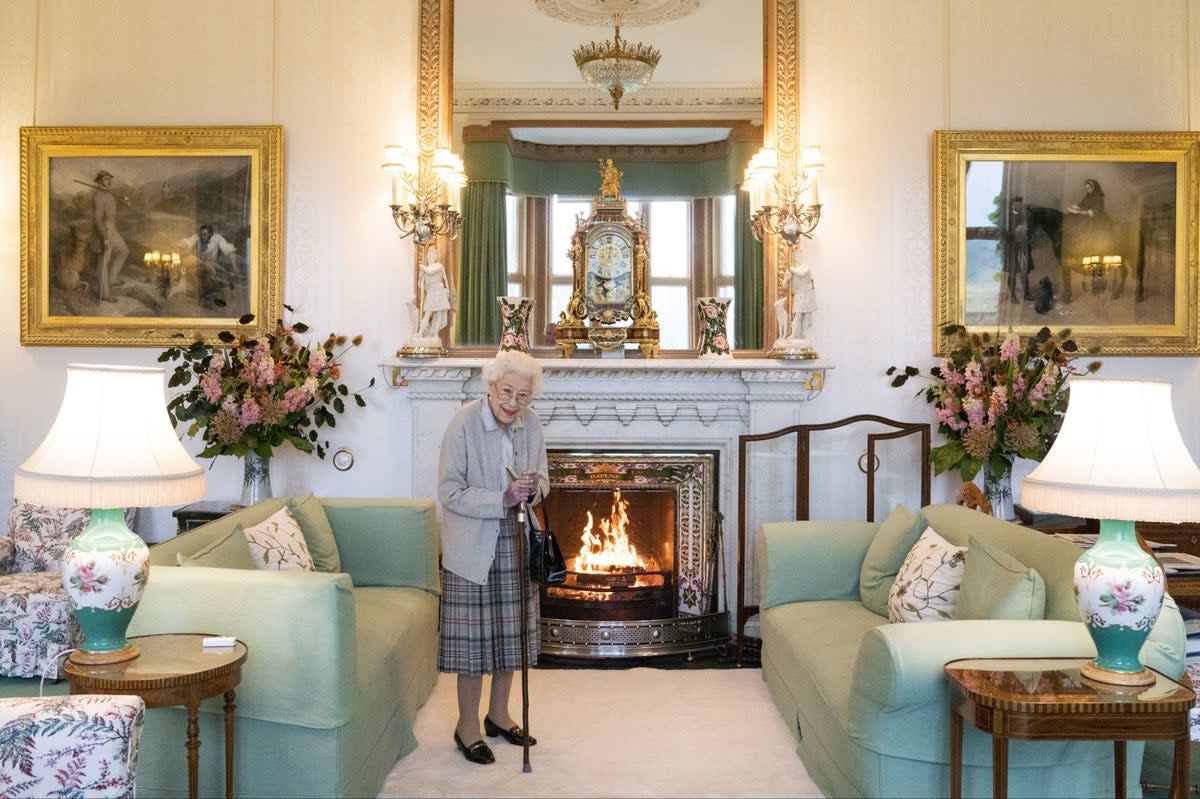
pixel 606 404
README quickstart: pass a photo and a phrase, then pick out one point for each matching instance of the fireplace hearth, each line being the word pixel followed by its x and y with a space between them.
pixel 641 533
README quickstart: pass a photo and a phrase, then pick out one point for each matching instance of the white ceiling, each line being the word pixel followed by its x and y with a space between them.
pixel 509 43
pixel 620 136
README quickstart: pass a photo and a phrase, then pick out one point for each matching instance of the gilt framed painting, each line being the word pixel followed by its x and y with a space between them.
pixel 138 236
pixel 1092 231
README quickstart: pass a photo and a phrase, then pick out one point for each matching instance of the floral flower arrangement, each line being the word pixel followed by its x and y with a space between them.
pixel 996 398
pixel 253 393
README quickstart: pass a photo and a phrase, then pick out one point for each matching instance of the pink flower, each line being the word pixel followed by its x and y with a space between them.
pixel 317 361
pixel 210 384
pixel 1010 348
pixel 296 398
pixel 950 376
pixel 250 412
pixel 1044 386
pixel 949 417
pixel 975 412
pixel 973 374
pixel 710 310
pixel 229 404
pixel 720 342
pixel 508 340
pixel 998 404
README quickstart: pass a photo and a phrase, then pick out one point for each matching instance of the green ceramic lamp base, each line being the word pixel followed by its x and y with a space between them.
pixel 104 571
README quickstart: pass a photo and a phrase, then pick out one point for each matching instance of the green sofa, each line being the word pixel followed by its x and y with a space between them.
pixel 338 663
pixel 868 701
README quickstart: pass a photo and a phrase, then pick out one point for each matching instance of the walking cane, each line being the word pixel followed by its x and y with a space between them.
pixel 523 568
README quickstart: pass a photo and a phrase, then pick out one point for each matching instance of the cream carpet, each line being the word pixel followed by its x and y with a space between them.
pixel 617 733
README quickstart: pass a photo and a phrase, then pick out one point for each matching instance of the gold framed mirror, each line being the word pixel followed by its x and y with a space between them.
pixel 781 103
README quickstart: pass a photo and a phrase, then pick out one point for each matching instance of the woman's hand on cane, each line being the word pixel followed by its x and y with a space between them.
pixel 521 489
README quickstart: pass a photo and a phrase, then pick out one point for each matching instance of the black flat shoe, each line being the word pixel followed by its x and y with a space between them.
pixel 478 752
pixel 514 734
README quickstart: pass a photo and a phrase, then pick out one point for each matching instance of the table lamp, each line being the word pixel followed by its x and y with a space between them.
pixel 112 446
pixel 1119 459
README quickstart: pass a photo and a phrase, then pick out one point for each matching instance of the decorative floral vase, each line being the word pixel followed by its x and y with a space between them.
pixel 997 487
pixel 1119 587
pixel 256 479
pixel 514 321
pixel 714 343
pixel 104 572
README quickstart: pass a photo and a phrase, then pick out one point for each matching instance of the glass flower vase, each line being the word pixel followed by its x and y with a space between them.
pixel 997 487
pixel 256 479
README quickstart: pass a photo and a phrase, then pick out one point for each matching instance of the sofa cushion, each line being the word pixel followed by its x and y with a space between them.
pixel 277 543
pixel 230 551
pixel 896 536
pixel 995 585
pixel 928 583
pixel 314 524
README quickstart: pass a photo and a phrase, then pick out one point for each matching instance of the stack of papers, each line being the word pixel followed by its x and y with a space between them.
pixel 1174 562
pixel 1088 540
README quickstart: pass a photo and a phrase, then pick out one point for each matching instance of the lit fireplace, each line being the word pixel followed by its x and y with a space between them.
pixel 640 535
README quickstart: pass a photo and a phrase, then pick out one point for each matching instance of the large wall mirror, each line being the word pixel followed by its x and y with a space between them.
pixel 489 76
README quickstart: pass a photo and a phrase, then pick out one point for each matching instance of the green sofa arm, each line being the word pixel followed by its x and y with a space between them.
pixel 902 665
pixel 805 561
pixel 291 622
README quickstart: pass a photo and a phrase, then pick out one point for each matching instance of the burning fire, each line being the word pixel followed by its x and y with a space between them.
pixel 611 550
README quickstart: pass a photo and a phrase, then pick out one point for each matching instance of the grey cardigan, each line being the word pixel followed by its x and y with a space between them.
pixel 471 483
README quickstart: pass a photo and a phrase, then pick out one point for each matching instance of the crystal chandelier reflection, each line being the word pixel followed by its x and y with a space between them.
pixel 617 67
pixel 423 205
pixel 787 202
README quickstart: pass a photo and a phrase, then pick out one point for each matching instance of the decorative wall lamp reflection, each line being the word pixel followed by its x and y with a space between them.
pixel 1118 458
pixel 423 200
pixel 111 446
pixel 785 197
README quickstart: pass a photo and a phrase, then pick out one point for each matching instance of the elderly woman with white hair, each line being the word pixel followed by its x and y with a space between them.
pixel 489 440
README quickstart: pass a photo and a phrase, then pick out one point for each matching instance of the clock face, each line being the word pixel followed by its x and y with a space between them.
pixel 609 269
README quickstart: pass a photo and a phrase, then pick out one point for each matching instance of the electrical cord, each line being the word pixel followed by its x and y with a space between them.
pixel 50 665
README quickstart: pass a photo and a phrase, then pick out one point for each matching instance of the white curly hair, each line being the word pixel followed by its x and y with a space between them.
pixel 514 362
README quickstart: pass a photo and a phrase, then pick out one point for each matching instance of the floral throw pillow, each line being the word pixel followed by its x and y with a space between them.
pixel 927 585
pixel 276 543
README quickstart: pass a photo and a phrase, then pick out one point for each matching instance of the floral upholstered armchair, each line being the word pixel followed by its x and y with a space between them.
pixel 80 745
pixel 36 623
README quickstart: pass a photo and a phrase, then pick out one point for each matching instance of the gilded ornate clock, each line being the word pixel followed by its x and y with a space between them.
pixel 609 256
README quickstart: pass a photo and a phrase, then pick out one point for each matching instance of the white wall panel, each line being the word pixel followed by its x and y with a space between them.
pixel 879 76
pixel 1067 64
pixel 154 62
pixel 347 87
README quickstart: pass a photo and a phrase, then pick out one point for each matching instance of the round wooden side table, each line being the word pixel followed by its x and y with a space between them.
pixel 173 669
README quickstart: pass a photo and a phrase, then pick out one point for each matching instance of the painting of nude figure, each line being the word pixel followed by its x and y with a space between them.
pixel 142 239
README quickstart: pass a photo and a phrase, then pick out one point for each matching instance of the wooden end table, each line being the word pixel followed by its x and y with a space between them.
pixel 173 669
pixel 1048 699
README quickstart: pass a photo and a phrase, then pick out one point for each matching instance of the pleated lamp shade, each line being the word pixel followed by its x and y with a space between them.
pixel 1118 458
pixel 1118 455
pixel 111 446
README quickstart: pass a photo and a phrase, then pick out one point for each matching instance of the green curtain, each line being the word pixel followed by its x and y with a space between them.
pixel 483 272
pixel 747 280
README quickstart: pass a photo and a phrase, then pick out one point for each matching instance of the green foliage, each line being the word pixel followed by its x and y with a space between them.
pixel 996 398
pixel 253 394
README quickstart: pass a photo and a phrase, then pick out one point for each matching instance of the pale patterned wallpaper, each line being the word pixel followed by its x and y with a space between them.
pixel 878 77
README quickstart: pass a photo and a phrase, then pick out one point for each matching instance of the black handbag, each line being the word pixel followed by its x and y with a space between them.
pixel 546 564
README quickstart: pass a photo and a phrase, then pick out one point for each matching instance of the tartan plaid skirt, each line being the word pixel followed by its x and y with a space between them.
pixel 480 624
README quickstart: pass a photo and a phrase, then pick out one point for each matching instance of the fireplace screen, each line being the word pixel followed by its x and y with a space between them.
pixel 640 535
